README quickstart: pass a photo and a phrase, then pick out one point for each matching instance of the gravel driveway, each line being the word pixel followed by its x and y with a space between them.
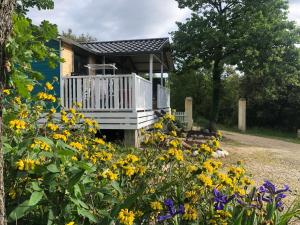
pixel 265 158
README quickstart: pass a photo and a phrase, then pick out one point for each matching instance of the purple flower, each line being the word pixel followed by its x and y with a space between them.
pixel 221 200
pixel 269 194
pixel 171 210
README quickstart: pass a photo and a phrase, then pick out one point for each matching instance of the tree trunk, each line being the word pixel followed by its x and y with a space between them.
pixel 6 10
pixel 215 108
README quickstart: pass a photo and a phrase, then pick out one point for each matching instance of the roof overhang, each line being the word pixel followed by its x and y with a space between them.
pixel 139 58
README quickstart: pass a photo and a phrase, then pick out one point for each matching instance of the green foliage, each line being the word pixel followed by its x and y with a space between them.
pixel 23 6
pixel 27 45
pixel 58 172
pixel 81 38
pixel 254 36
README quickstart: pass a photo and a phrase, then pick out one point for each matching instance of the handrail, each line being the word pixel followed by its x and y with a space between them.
pixel 97 76
pixel 107 92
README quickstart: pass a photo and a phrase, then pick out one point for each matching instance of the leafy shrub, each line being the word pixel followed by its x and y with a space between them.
pixel 59 173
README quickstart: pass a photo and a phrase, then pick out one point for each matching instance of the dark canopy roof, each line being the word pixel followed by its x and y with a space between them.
pixel 136 51
pixel 128 46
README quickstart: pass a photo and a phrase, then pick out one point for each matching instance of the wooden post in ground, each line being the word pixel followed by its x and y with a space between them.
pixel 131 138
pixel 242 114
pixel 189 112
pixel 298 133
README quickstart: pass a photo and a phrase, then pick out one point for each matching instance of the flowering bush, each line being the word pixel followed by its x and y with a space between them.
pixel 59 172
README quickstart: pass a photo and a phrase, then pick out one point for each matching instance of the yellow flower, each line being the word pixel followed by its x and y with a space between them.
pixel 52 110
pixel 18 125
pixel 67 133
pixel 40 144
pixel 20 165
pixel 70 223
pixel 130 158
pixel 49 86
pixel 206 149
pixel 190 213
pixel 247 181
pixel 60 137
pixel 23 114
pixel 219 134
pixel 52 126
pixel 110 175
pixel 208 167
pixel 190 194
pixel 29 87
pixel 173 133
pixel 18 100
pixel 72 111
pixel 205 180
pixel 64 119
pixel 225 180
pixel 77 145
pixel 74 158
pixel 174 143
pixel 12 194
pixel 178 154
pixel 192 168
pixel 140 170
pixel 46 97
pixel 27 164
pixel 236 171
pixel 158 126
pixel 126 217
pixel 156 206
pixel 6 92
pixel 170 117
pixel 129 170
pixel 99 141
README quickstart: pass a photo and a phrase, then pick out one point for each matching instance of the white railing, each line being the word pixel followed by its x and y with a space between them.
pixel 143 93
pixel 180 116
pixel 107 92
pixel 163 97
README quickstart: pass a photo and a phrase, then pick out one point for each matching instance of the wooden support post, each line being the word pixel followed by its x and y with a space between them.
pixel 298 133
pixel 151 68
pixel 242 114
pixel 162 70
pixel 91 61
pixel 131 138
pixel 103 62
pixel 189 112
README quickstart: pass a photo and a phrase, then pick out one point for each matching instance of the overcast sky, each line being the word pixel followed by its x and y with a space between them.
pixel 122 19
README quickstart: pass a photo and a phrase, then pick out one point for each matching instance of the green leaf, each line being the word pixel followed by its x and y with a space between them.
pixel 239 218
pixel 86 166
pixel 35 186
pixel 46 140
pixel 117 187
pixel 50 217
pixel 75 178
pixel 53 168
pixel 19 211
pixel 35 198
pixel 65 152
pixel 85 213
pixel 7 148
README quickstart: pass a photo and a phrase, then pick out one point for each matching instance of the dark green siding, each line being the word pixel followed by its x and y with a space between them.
pixel 47 72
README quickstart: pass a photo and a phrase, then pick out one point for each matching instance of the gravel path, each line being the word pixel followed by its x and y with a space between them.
pixel 265 158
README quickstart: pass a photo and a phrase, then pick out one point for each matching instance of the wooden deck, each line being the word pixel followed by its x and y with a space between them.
pixel 123 102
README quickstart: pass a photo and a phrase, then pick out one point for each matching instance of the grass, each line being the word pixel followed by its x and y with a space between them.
pixel 256 131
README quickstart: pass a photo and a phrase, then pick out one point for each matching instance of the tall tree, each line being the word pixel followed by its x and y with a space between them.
pixel 7 8
pixel 246 33
pixel 79 38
